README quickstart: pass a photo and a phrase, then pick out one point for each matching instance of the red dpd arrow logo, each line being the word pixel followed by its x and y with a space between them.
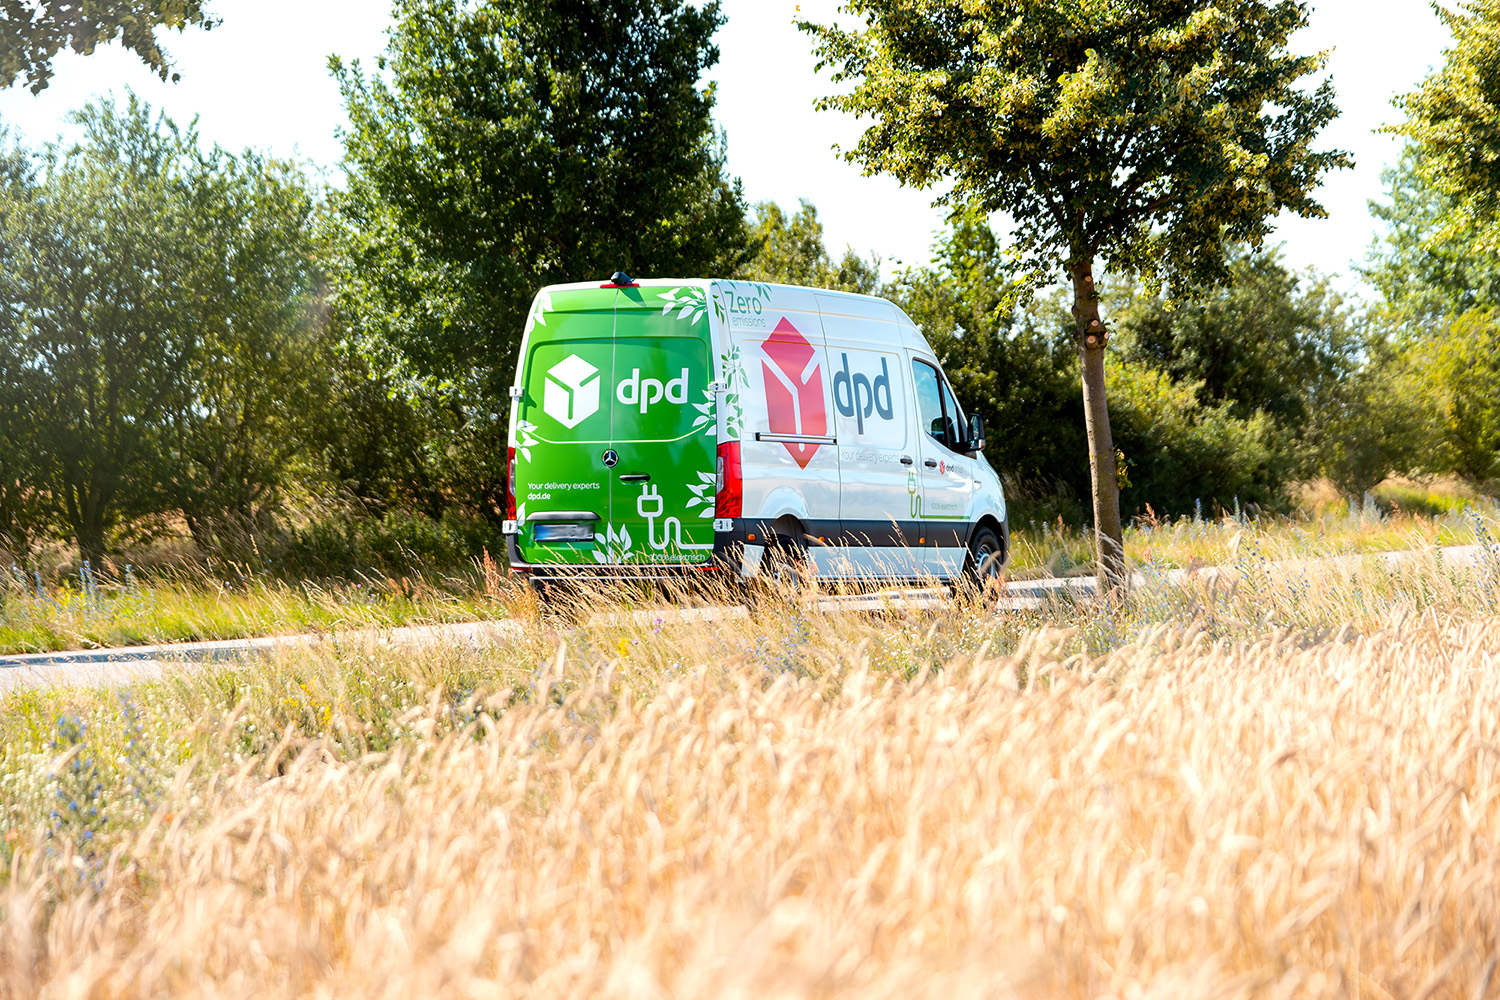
pixel 794 390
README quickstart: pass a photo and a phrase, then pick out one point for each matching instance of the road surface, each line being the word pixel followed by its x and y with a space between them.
pixel 136 663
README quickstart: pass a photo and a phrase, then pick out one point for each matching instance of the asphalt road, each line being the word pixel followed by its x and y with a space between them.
pixel 136 663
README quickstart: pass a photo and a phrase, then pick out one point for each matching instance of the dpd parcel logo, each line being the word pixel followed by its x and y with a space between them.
pixel 571 393
pixel 794 390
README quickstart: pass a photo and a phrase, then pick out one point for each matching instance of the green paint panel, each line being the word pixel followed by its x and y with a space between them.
pixel 626 374
pixel 564 420
pixel 663 427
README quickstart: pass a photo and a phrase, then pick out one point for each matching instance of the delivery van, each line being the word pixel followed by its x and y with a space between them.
pixel 668 427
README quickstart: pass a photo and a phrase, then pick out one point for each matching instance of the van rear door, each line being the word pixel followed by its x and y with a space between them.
pixel 563 426
pixel 662 429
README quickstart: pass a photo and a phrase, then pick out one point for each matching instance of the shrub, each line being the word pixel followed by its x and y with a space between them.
pixel 1181 452
pixel 346 544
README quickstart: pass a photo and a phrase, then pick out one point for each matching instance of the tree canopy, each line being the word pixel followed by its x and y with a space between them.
pixel 1146 133
pixel 1454 120
pixel 1142 134
pixel 33 32
pixel 157 345
pixel 508 144
pixel 790 249
pixel 1267 340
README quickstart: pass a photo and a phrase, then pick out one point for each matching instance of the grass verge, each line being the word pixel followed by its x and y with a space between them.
pixel 190 607
pixel 1262 787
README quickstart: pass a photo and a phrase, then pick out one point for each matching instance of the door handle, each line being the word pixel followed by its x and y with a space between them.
pixel 931 463
pixel 905 459
pixel 636 477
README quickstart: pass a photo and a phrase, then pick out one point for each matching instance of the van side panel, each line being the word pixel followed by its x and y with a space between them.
pixel 876 429
pixel 788 453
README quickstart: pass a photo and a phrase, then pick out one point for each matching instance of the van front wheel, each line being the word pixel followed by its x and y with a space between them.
pixel 986 562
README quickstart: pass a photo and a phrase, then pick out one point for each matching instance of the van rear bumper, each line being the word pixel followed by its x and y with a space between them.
pixel 729 548
pixel 727 557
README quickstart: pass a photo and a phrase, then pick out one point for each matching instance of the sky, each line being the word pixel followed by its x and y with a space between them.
pixel 261 80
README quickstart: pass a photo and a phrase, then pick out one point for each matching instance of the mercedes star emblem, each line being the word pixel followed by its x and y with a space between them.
pixel 611 459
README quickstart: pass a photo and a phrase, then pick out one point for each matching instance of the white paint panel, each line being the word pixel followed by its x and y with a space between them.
pixel 781 346
pixel 837 562
pixel 876 431
pixel 856 306
pixel 946 564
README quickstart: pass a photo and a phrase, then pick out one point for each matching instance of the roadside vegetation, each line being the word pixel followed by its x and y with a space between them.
pixel 189 603
pixel 1395 517
pixel 84 613
pixel 315 384
pixel 1276 783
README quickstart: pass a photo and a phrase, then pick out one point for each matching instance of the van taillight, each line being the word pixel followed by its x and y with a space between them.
pixel 728 494
pixel 510 484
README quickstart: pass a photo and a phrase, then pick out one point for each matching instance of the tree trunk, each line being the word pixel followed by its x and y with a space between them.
pixel 1109 536
pixel 90 536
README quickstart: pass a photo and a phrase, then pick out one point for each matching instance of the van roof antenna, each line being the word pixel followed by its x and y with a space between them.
pixel 619 280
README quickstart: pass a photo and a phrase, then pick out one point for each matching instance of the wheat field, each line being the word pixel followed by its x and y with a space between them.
pixel 648 810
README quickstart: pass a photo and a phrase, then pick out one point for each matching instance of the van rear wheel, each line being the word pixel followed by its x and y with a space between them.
pixel 985 564
pixel 783 571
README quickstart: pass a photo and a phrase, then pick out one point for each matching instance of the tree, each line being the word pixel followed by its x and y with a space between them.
pixel 23 511
pixel 1141 134
pixel 1007 365
pixel 509 144
pixel 1181 450
pixel 1266 341
pixel 257 382
pixel 791 250
pixel 157 339
pixel 1454 120
pixel 1449 378
pixel 94 283
pixel 32 32
pixel 1425 268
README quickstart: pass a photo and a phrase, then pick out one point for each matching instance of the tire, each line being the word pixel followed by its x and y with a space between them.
pixel 783 571
pixel 985 565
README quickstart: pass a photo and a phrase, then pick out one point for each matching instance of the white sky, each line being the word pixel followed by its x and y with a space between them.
pixel 261 80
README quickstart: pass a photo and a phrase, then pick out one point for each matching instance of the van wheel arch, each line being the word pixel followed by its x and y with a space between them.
pixel 1001 530
pixel 786 533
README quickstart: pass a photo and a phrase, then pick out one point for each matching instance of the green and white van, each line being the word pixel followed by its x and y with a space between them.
pixel 670 427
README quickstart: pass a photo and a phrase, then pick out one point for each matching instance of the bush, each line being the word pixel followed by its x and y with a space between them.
pixel 1433 499
pixel 1181 452
pixel 346 544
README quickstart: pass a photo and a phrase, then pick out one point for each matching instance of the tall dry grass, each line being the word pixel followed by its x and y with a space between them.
pixel 650 812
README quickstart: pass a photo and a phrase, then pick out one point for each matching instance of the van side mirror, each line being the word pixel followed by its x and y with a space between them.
pixel 976 432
